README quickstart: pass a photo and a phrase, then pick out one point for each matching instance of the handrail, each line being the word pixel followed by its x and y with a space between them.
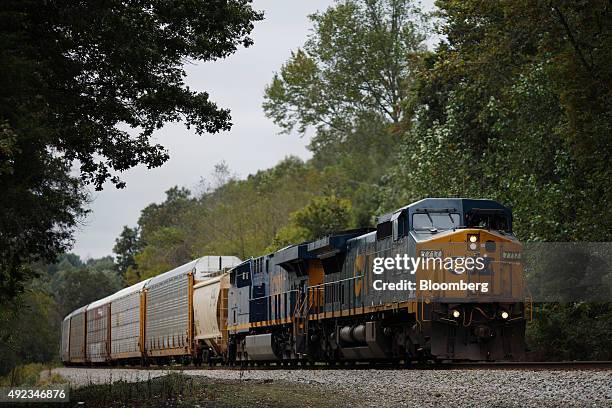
pixel 267 296
pixel 337 281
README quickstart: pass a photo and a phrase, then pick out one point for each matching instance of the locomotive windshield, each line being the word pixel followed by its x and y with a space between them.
pixel 435 221
pixel 489 219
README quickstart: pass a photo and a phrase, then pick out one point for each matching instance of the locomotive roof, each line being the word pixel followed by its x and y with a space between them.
pixel 292 253
pixel 463 205
pixel 243 266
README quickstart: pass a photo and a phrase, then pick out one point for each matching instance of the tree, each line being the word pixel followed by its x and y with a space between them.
pixel 71 73
pixel 229 216
pixel 358 61
pixel 322 216
pixel 127 245
pixel 350 81
pixel 507 109
pixel 76 288
pixel 167 214
pixel 32 310
pixel 30 322
pixel 167 248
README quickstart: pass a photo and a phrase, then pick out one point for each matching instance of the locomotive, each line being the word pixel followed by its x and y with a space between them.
pixel 404 291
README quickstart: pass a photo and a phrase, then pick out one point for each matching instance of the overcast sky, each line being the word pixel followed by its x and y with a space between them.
pixel 253 143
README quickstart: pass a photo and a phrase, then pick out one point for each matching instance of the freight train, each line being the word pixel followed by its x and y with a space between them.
pixel 367 294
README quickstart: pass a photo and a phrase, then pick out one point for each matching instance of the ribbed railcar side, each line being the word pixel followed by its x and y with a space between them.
pixel 169 306
pixel 168 314
pixel 65 342
pixel 78 334
pixel 98 335
pixel 125 323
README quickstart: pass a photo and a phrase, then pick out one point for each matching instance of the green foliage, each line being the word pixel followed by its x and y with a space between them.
pixel 127 245
pixel 31 375
pixel 30 322
pixel 74 288
pixel 506 109
pixel 357 61
pixel 28 329
pixel 351 81
pixel 71 73
pixel 571 331
pixel 320 217
pixel 167 248
pixel 231 217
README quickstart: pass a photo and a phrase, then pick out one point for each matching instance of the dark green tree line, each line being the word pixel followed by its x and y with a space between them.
pixel 507 108
pixel 71 74
pixel 30 323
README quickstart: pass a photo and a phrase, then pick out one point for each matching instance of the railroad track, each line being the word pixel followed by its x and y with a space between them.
pixel 505 365
pixel 538 365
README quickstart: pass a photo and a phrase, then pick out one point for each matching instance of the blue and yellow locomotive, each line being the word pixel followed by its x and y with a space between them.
pixel 326 301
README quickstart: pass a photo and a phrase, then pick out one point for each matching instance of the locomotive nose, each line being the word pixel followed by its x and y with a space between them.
pixel 484 332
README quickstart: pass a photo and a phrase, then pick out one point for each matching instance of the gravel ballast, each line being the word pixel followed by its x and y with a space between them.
pixel 410 388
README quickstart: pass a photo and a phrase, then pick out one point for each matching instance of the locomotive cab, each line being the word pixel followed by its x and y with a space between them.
pixel 473 297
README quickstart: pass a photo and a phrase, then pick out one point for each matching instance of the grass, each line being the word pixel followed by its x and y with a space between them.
pixel 179 390
pixel 31 375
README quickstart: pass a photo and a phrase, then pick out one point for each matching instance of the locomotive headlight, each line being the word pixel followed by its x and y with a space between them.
pixel 456 313
pixel 504 315
pixel 473 238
